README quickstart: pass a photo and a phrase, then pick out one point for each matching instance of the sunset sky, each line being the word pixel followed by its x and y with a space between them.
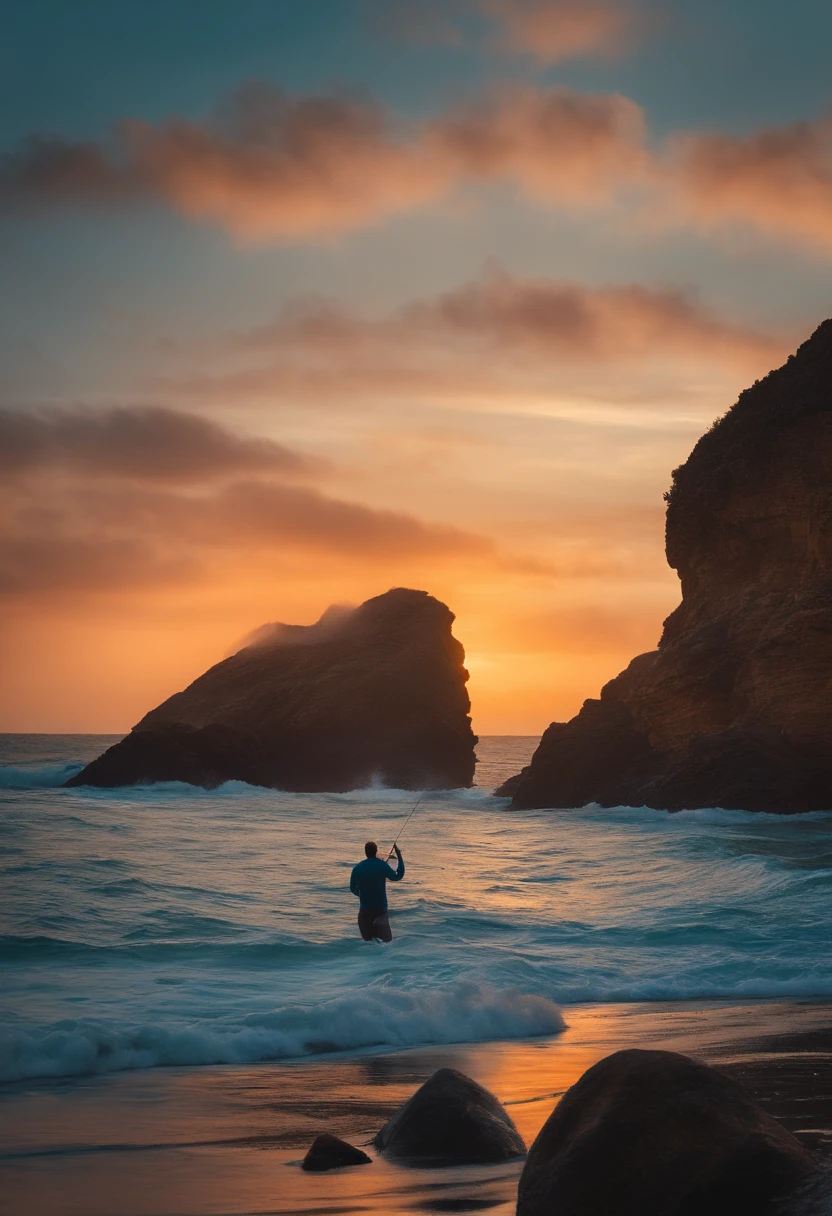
pixel 305 300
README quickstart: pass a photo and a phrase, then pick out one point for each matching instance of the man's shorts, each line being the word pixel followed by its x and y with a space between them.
pixel 374 923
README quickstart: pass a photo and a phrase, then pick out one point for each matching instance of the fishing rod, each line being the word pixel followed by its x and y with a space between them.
pixel 404 825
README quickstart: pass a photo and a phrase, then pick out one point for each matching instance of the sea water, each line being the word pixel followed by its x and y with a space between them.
pixel 168 925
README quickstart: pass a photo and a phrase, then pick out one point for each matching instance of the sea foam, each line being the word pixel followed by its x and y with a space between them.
pixel 164 924
pixel 380 1017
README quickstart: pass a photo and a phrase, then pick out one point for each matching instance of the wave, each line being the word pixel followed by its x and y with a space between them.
pixel 374 1018
pixel 52 776
pixel 719 815
pixel 377 1017
pixel 41 949
pixel 693 988
pixel 47 777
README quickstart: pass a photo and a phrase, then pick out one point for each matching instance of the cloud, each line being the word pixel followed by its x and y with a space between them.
pixel 110 521
pixel 96 499
pixel 553 30
pixel 299 516
pixel 36 561
pixel 52 171
pixel 567 320
pixel 555 144
pixel 546 30
pixel 778 180
pixel 271 166
pixel 267 166
pixel 499 337
pixel 147 443
pixel 548 316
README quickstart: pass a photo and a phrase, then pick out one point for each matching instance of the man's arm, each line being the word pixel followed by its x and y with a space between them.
pixel 354 882
pixel 398 874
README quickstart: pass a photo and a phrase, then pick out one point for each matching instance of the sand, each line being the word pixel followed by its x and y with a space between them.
pixel 194 1142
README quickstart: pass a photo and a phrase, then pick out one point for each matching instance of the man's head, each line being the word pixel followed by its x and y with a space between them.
pixel 371 848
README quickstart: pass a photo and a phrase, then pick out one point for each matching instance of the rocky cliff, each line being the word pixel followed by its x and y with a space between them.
pixel 734 708
pixel 377 693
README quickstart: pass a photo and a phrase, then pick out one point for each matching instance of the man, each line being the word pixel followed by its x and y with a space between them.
pixel 369 881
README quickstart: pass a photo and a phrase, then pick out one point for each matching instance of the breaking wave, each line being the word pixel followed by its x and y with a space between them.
pixel 171 925
pixel 380 1017
pixel 47 776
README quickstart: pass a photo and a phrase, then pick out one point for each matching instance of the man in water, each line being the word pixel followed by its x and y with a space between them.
pixel 369 881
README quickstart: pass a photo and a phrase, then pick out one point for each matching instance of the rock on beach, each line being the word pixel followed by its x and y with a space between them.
pixel 329 1152
pixel 450 1120
pixel 653 1133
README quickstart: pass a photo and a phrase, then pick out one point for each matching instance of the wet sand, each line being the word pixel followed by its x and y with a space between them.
pixel 229 1140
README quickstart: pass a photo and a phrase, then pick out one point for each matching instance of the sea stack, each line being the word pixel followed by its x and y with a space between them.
pixel 734 708
pixel 373 694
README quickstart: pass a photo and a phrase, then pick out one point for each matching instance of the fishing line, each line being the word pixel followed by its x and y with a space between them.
pixel 404 825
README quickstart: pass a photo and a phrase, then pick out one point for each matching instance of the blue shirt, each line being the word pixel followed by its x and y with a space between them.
pixel 369 881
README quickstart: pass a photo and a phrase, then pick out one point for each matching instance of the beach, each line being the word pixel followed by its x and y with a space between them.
pixel 187 1142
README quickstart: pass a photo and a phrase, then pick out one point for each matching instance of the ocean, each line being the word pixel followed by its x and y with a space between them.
pixel 167 925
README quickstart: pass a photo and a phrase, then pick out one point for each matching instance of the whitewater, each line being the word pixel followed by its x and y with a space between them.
pixel 168 925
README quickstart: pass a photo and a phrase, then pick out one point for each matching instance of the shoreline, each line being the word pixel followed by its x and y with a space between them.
pixel 226 1140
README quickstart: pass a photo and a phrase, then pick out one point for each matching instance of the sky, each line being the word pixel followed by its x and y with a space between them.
pixel 301 302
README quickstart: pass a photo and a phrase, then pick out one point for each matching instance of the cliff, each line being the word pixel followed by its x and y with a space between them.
pixel 374 694
pixel 734 708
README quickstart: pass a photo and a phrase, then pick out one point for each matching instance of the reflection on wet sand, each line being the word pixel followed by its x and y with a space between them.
pixel 222 1141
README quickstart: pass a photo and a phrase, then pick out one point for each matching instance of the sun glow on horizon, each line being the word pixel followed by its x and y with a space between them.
pixel 271 345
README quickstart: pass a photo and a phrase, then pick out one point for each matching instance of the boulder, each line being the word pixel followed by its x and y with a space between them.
pixel 653 1133
pixel 371 694
pixel 451 1120
pixel 331 1153
pixel 734 708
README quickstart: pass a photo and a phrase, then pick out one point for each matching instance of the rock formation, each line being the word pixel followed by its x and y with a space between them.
pixel 332 1153
pixel 734 708
pixel 652 1133
pixel 451 1120
pixel 374 694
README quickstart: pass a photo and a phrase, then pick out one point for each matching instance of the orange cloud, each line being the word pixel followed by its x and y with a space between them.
pixel 134 497
pixel 570 320
pixel 779 179
pixel 553 30
pixel 542 316
pixel 557 145
pixel 271 166
pixel 71 537
pixel 137 442
pixel 499 337
pixel 547 30
pixel 268 166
